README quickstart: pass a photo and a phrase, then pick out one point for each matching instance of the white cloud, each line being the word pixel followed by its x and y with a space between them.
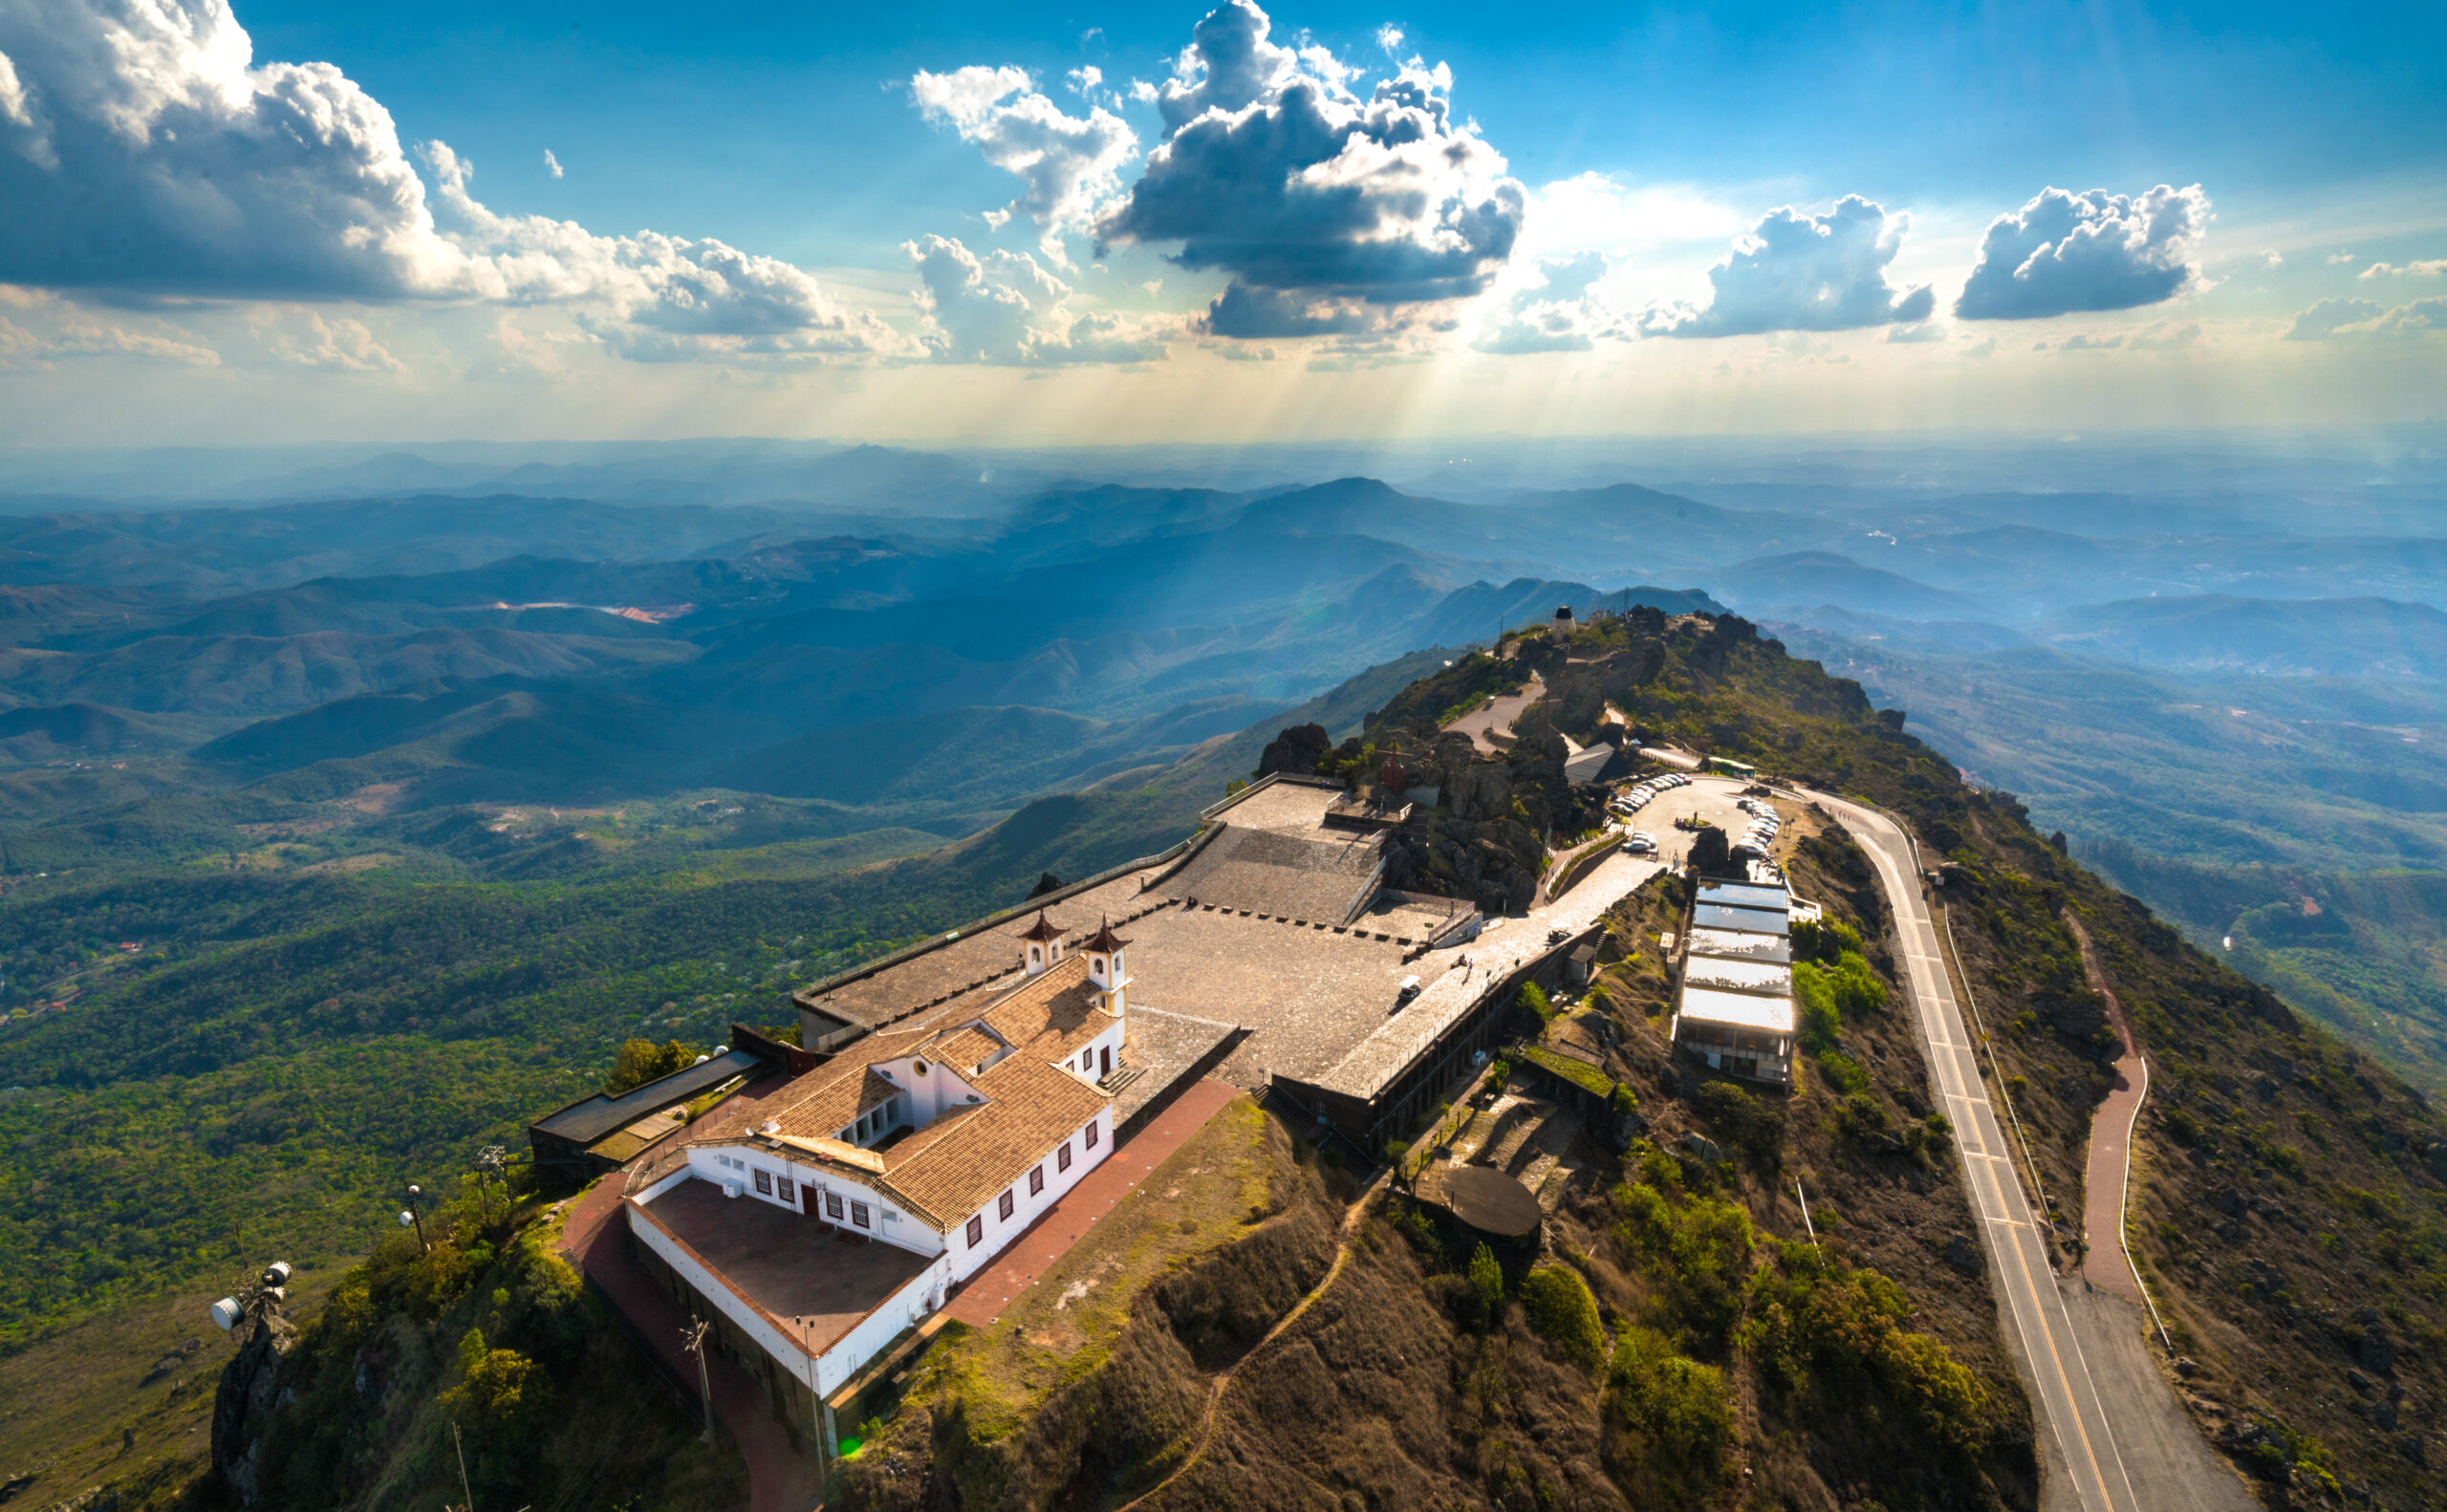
pixel 152 156
pixel 551 164
pixel 2339 258
pixel 303 338
pixel 2068 253
pixel 1389 38
pixel 2081 341
pixel 657 298
pixel 2428 269
pixel 1803 272
pixel 1068 163
pixel 2345 319
pixel 1924 332
pixel 1558 312
pixel 2162 336
pixel 54 328
pixel 1007 310
pixel 2271 260
pixel 1324 209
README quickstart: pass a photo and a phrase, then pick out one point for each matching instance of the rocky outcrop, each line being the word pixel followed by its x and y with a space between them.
pixel 250 1393
pixel 1297 749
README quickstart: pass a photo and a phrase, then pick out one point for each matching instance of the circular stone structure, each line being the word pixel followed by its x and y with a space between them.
pixel 1491 1202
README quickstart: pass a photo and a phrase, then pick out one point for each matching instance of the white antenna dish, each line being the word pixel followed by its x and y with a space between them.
pixel 226 1313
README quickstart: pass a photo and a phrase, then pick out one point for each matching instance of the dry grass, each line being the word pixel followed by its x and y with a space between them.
pixel 1208 1193
pixel 65 1402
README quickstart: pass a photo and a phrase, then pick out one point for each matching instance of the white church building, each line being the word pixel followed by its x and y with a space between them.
pixel 867 1190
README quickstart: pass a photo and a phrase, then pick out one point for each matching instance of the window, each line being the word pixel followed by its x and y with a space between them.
pixel 833 1207
pixel 977 1231
pixel 1036 1180
pixel 1003 1209
pixel 858 1215
pixel 786 1190
pixel 1092 1136
pixel 1062 1157
pixel 765 1182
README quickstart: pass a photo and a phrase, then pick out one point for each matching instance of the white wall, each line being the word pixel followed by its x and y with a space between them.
pixel 967 1261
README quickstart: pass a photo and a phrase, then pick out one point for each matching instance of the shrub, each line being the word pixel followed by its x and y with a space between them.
pixel 495 1385
pixel 1844 1073
pixel 1697 1247
pixel 1743 1119
pixel 1534 998
pixel 1858 992
pixel 1668 1421
pixel 1486 1282
pixel 1564 1313
pixel 1814 1000
pixel 1824 940
pixel 1835 1334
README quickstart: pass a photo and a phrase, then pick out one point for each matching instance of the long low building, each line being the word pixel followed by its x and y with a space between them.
pixel 1734 1008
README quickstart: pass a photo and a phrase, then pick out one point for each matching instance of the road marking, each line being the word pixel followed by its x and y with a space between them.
pixel 1939 1015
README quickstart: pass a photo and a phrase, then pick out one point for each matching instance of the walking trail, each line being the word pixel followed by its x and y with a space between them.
pixel 2104 1264
pixel 1348 1231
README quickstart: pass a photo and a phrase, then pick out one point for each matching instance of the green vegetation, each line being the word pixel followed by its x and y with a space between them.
pixel 1669 1421
pixel 1835 1337
pixel 1571 1068
pixel 491 1330
pixel 639 1062
pixel 1559 1306
pixel 1486 1282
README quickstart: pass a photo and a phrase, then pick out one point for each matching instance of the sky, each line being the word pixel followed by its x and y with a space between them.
pixel 287 223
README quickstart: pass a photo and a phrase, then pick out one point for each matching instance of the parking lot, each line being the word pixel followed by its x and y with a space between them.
pixel 1708 799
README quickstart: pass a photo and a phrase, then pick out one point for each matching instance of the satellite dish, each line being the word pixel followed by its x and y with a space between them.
pixel 406 1218
pixel 722 1050
pixel 226 1313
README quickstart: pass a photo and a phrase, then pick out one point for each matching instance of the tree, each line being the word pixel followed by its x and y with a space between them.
pixel 641 1061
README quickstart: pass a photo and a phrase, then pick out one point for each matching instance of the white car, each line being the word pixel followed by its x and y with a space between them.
pixel 1640 845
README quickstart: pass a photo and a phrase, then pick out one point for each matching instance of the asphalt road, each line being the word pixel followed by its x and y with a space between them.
pixel 2115 1437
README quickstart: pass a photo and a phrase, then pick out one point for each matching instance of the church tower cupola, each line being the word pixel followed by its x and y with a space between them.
pixel 1043 942
pixel 1105 966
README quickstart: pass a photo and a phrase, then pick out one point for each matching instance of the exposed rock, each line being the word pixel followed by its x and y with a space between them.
pixel 250 1393
pixel 1963 1255
pixel 1704 1148
pixel 1297 749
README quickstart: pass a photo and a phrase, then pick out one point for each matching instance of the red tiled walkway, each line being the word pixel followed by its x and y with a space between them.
pixel 1050 1237
pixel 780 1478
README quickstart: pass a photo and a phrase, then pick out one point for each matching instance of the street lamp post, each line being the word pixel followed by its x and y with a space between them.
pixel 412 1218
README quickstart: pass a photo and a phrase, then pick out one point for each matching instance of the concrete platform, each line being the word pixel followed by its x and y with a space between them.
pixel 799 1270
pixel 1166 1049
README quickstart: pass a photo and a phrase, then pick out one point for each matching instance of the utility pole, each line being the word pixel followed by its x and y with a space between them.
pixel 462 1450
pixel 692 1339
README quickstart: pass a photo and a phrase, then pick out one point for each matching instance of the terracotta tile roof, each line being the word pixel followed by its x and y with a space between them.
pixel 831 1097
pixel 956 1165
pixel 1043 929
pixel 1054 1014
pixel 964 1050
pixel 1105 939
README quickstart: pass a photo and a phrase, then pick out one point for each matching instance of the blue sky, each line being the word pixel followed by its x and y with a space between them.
pixel 1726 218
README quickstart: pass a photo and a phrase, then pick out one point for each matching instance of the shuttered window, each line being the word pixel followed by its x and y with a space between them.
pixel 1036 1180
pixel 977 1231
pixel 1062 1157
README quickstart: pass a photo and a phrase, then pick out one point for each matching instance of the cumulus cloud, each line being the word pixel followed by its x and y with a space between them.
pixel 1067 164
pixel 142 151
pixel 551 164
pixel 2346 319
pixel 1804 272
pixel 657 298
pixel 1557 313
pixel 1007 309
pixel 301 337
pixel 2064 253
pixel 1323 206
pixel 2430 268
pixel 54 328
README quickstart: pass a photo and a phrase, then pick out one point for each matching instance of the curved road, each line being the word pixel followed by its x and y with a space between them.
pixel 2102 1452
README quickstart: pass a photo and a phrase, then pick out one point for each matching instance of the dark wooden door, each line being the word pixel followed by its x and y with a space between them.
pixel 1108 1062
